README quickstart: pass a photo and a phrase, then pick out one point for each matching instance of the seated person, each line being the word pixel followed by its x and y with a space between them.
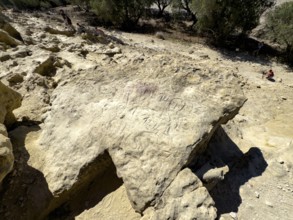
pixel 269 75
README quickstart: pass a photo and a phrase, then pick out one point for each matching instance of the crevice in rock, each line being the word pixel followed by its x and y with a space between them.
pixel 96 181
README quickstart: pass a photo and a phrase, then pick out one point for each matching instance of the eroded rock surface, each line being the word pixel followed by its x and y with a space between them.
pixel 185 198
pixel 151 118
pixel 118 201
pixel 9 100
pixel 145 108
pixel 8 34
pixel 152 113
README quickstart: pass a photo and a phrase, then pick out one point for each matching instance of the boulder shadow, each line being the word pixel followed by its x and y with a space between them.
pixel 223 151
pixel 91 192
pixel 25 193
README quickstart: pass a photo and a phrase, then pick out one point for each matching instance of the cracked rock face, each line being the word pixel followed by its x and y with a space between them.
pixel 152 118
pixel 185 198
pixel 9 100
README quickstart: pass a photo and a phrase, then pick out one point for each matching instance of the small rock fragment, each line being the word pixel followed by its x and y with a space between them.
pixel 269 204
pixel 233 215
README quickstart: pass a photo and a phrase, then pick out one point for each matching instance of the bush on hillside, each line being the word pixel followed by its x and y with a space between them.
pixel 32 4
pixel 84 4
pixel 125 13
pixel 228 17
pixel 186 6
pixel 280 27
pixel 162 5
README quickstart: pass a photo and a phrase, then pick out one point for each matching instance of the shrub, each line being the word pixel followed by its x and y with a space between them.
pixel 226 17
pixel 31 4
pixel 280 27
pixel 125 13
pixel 162 5
pixel 186 6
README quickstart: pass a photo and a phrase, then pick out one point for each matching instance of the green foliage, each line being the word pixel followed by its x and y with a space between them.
pixel 280 28
pixel 186 6
pixel 22 4
pixel 31 4
pixel 227 17
pixel 280 25
pixel 82 3
pixel 162 5
pixel 125 13
pixel 182 5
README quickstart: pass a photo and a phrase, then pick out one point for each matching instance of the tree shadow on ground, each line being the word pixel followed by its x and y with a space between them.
pixel 246 49
pixel 242 167
pixel 244 56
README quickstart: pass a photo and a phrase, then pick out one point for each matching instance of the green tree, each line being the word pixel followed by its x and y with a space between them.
pixel 280 27
pixel 31 4
pixel 186 6
pixel 23 4
pixel 225 17
pixel 125 13
pixel 162 5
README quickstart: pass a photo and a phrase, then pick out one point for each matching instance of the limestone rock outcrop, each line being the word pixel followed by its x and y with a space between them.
pixel 5 26
pixel 153 119
pixel 185 198
pixel 8 40
pixel 144 109
pixel 148 115
pixel 9 100
pixel 8 34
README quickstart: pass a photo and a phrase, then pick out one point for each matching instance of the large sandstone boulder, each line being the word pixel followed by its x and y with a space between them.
pixel 8 34
pixel 5 26
pixel 7 39
pixel 152 118
pixel 9 100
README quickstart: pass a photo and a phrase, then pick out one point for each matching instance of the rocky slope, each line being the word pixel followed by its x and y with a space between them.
pixel 131 131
